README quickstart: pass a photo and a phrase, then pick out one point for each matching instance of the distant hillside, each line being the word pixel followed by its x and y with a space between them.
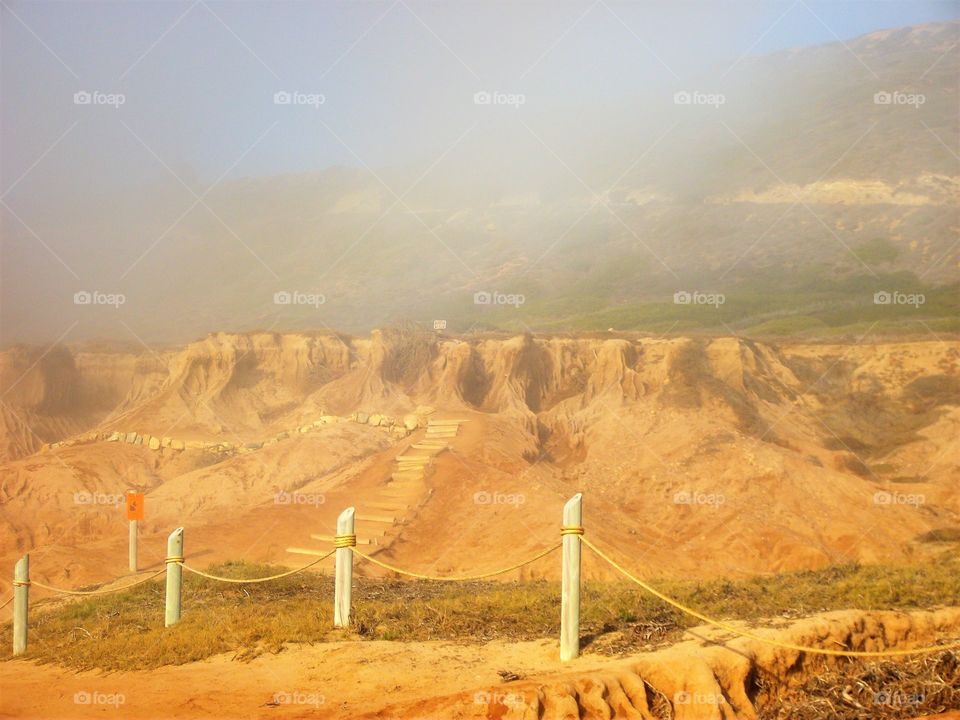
pixel 826 175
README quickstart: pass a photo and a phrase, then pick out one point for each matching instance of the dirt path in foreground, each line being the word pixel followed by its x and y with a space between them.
pixel 332 680
pixel 384 679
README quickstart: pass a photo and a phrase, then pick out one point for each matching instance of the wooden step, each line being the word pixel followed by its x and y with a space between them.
pixel 441 432
pixel 307 551
pixel 413 459
pixel 443 423
pixel 403 492
pixel 371 517
pixel 404 486
pixel 431 445
pixel 395 506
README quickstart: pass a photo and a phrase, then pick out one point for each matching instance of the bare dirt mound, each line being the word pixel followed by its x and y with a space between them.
pixel 743 679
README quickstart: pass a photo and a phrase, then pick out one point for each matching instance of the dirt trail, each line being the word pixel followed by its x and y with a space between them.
pixel 383 679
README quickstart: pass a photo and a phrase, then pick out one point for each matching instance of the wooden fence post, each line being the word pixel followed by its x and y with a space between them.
pixel 344 577
pixel 174 577
pixel 21 601
pixel 132 553
pixel 570 589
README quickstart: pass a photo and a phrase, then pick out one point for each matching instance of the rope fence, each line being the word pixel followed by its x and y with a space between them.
pixel 345 548
pixel 242 581
pixel 462 578
pixel 753 636
pixel 100 591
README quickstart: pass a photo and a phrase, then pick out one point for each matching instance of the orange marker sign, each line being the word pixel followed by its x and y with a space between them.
pixel 134 506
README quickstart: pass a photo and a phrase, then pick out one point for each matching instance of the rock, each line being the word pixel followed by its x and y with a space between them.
pixel 362 418
pixel 138 440
pixel 253 445
pixel 165 442
pixel 195 445
pixel 283 435
pixel 329 419
pixel 177 444
pixel 305 428
pixel 317 423
pixel 374 420
pixel 130 437
pixel 154 443
pixel 388 421
pixel 411 422
pixel 114 437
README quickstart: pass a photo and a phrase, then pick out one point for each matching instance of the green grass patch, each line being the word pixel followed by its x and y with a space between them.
pixel 125 631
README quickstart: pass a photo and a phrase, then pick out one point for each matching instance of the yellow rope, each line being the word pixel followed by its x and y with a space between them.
pixel 571 530
pixel 9 600
pixel 241 581
pixel 345 541
pixel 174 559
pixel 94 592
pixel 760 638
pixel 480 576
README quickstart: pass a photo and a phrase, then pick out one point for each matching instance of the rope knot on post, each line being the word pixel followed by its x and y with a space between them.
pixel 571 530
pixel 345 541
pixel 174 559
pixel 21 583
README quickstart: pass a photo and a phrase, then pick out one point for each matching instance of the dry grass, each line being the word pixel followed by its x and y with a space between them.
pixel 869 691
pixel 125 630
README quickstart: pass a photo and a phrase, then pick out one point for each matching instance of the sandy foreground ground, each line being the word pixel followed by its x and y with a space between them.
pixel 386 679
pixel 333 680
